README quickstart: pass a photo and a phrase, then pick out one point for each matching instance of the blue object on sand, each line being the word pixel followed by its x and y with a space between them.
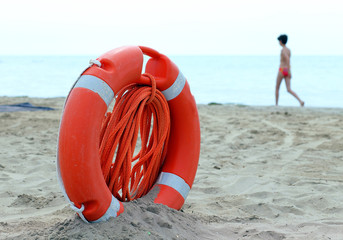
pixel 26 106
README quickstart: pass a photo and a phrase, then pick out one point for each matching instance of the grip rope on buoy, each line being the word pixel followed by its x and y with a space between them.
pixel 139 111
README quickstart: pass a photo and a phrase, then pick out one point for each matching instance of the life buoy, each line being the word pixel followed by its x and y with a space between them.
pixel 78 165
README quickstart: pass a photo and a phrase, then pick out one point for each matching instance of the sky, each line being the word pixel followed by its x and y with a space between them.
pixel 178 27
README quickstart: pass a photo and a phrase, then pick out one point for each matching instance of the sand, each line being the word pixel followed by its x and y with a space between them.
pixel 264 173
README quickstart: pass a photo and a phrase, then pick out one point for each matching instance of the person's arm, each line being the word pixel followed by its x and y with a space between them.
pixel 286 57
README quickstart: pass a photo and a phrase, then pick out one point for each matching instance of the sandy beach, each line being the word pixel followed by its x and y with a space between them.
pixel 264 173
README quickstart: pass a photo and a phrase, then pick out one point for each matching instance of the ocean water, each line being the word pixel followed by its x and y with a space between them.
pixel 249 80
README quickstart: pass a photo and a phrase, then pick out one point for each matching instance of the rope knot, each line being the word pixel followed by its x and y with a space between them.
pixel 153 86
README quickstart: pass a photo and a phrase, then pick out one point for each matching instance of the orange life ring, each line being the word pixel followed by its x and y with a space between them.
pixel 78 160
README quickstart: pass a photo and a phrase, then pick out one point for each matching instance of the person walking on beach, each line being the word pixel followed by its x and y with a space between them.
pixel 285 71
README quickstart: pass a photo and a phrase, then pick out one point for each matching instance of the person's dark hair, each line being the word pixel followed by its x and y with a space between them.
pixel 283 38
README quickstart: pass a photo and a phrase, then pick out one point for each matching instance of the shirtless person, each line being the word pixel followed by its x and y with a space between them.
pixel 285 71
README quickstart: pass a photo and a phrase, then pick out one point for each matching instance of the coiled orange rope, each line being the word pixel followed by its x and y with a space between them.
pixel 138 109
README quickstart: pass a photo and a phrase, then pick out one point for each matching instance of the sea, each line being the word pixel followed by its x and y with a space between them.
pixel 243 80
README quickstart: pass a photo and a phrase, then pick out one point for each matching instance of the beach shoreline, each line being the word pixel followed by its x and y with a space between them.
pixel 264 172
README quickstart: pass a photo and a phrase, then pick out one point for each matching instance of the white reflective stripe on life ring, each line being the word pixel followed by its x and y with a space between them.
pixel 112 211
pixel 174 90
pixel 175 182
pixel 96 85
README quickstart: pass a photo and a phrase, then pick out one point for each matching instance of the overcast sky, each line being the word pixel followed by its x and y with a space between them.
pixel 178 27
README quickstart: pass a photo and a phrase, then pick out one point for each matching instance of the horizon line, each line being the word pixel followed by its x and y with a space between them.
pixel 175 55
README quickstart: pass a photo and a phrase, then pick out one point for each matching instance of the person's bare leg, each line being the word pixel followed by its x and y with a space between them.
pixel 277 88
pixel 288 85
